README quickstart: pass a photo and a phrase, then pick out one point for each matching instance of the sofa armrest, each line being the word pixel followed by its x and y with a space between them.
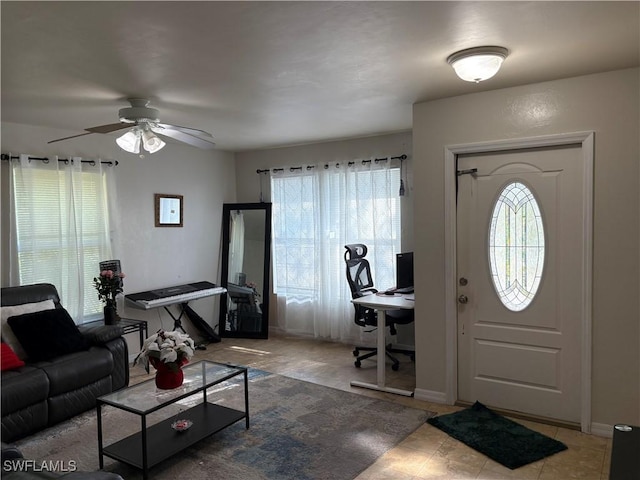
pixel 10 452
pixel 101 334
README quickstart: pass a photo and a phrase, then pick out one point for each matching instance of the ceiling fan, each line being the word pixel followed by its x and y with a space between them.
pixel 144 124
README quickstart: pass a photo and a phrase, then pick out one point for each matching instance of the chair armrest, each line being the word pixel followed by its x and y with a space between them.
pixel 364 292
pixel 101 334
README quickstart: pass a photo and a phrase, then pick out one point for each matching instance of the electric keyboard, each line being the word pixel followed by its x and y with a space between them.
pixel 172 295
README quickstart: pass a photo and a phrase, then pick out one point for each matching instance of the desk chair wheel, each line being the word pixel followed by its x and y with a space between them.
pixel 357 363
pixel 395 367
pixel 356 352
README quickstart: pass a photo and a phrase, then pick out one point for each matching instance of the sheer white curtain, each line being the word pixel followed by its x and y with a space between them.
pixel 60 228
pixel 316 212
pixel 236 246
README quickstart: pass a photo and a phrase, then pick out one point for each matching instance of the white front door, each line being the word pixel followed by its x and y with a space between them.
pixel 520 273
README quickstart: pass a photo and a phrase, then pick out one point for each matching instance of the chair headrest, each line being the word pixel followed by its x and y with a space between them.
pixel 355 251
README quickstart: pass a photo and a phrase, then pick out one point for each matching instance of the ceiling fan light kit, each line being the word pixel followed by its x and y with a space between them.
pixel 130 141
pixel 150 142
pixel 144 127
pixel 478 63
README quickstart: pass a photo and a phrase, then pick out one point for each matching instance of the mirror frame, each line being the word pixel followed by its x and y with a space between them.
pixel 158 197
pixel 227 208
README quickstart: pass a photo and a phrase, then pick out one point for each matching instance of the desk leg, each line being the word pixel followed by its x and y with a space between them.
pixel 382 362
pixel 382 347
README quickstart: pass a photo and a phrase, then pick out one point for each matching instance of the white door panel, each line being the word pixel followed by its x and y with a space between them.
pixel 526 360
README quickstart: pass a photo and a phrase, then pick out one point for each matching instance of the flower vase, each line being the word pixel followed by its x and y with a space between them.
pixel 110 315
pixel 167 378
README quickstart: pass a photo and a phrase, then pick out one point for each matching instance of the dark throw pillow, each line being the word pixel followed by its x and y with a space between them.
pixel 8 359
pixel 48 334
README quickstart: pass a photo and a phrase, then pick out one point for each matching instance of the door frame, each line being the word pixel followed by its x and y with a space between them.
pixel 586 140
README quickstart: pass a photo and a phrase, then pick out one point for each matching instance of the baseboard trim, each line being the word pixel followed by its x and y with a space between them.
pixel 602 430
pixel 430 396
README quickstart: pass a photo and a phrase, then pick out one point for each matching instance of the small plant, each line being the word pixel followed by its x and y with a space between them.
pixel 174 349
pixel 109 285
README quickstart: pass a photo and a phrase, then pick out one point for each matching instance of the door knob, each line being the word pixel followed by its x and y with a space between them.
pixel 463 299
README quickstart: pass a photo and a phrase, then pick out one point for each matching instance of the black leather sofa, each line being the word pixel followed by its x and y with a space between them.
pixel 43 393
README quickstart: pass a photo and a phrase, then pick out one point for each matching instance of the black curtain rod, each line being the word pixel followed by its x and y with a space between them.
pixel 311 167
pixel 66 161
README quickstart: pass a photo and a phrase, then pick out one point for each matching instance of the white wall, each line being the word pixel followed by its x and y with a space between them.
pixel 607 104
pixel 151 257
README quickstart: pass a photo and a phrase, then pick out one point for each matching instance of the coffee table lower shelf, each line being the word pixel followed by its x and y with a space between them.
pixel 163 441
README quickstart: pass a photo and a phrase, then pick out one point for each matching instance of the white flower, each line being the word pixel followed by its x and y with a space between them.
pixel 168 347
pixel 168 355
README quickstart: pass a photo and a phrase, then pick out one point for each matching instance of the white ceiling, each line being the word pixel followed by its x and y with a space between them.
pixel 265 74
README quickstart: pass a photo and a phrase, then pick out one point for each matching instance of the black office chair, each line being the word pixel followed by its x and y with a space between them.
pixel 361 284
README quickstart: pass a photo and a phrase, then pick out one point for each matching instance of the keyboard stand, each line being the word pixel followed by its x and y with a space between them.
pixel 177 321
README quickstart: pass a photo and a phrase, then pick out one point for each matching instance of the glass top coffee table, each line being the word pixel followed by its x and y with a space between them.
pixel 155 443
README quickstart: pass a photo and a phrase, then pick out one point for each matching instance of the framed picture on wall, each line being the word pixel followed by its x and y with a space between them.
pixel 168 210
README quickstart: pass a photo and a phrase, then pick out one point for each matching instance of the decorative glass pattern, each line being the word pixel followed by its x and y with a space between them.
pixel 516 246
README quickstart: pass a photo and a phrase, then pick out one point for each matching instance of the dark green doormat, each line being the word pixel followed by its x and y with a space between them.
pixel 497 437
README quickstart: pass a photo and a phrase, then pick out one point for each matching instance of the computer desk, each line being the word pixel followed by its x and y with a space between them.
pixel 381 303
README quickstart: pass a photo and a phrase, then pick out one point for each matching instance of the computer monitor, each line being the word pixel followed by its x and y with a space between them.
pixel 404 270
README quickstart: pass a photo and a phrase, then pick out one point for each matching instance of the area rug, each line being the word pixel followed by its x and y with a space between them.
pixel 298 430
pixel 497 437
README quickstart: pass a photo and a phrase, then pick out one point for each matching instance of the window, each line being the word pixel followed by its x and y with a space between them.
pixel 316 212
pixel 516 246
pixel 61 229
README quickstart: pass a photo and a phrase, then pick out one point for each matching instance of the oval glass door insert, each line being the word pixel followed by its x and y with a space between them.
pixel 516 246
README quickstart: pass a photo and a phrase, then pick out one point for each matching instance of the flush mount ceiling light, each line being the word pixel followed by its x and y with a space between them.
pixel 479 63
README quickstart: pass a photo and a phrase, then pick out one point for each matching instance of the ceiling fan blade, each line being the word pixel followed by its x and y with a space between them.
pixel 67 138
pixel 190 131
pixel 184 137
pixel 112 127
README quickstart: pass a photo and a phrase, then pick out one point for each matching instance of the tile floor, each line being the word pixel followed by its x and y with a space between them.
pixel 427 453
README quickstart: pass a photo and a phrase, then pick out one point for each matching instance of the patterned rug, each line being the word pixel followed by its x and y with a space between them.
pixel 298 431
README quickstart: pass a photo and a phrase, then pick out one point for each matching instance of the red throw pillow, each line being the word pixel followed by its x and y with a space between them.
pixel 8 359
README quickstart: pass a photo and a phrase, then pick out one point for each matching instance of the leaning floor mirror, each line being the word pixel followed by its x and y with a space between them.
pixel 246 243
